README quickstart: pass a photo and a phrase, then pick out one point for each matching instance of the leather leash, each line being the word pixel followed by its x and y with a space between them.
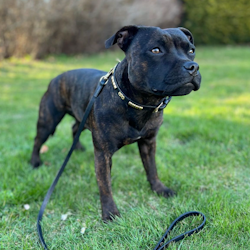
pixel 160 245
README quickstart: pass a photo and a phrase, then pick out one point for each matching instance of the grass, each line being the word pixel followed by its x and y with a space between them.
pixel 203 154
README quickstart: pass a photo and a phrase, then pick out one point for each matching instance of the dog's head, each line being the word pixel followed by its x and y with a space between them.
pixel 160 61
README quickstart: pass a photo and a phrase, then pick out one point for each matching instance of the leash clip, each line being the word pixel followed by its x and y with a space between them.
pixel 104 79
pixel 111 72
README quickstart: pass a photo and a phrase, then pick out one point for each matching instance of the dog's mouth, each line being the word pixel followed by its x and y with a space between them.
pixel 158 92
pixel 183 90
pixel 194 85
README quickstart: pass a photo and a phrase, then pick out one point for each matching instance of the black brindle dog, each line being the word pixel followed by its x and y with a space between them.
pixel 158 63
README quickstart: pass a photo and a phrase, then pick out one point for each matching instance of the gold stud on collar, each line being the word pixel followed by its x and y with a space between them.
pixel 131 104
pixel 113 82
pixel 121 95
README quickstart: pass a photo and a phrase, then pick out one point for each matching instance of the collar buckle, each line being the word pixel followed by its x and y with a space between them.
pixel 157 108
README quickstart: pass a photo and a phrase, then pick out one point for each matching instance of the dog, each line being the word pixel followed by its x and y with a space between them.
pixel 158 63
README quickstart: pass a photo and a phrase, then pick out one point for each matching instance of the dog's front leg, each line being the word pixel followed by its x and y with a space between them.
pixel 103 164
pixel 147 148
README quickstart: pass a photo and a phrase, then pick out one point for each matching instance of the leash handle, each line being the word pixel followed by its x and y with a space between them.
pixel 160 245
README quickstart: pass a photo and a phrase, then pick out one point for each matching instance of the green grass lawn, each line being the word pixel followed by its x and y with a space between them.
pixel 203 154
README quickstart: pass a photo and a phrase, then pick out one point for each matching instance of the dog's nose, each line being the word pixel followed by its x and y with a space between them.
pixel 191 67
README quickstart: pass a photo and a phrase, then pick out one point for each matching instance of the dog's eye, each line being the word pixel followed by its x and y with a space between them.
pixel 156 50
pixel 191 51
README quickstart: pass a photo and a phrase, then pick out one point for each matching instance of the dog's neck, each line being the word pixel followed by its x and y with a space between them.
pixel 121 75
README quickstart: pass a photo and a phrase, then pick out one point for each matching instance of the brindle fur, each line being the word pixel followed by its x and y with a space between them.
pixel 143 76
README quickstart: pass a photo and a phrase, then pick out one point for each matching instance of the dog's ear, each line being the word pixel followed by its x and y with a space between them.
pixel 122 37
pixel 188 34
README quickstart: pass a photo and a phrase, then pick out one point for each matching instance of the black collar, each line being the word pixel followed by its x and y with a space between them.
pixel 130 102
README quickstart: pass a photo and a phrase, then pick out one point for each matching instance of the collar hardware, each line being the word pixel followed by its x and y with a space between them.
pixel 133 105
pixel 157 108
pixel 113 82
pixel 121 95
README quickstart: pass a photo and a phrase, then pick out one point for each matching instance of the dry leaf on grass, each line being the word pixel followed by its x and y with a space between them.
pixel 83 230
pixel 44 149
pixel 65 216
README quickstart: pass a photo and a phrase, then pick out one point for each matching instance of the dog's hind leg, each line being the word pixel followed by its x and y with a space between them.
pixel 78 146
pixel 49 117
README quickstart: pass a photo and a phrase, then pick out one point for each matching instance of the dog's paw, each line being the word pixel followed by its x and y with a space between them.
pixel 35 162
pixel 110 216
pixel 162 190
pixel 109 212
pixel 167 192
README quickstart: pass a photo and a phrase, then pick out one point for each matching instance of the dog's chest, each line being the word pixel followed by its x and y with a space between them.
pixel 131 138
pixel 132 135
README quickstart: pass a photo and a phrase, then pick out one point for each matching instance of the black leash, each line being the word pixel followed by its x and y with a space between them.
pixel 160 244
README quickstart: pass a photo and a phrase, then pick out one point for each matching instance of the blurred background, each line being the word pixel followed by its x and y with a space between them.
pixel 202 148
pixel 43 27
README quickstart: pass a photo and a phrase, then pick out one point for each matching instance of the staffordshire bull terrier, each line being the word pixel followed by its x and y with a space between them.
pixel 158 64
